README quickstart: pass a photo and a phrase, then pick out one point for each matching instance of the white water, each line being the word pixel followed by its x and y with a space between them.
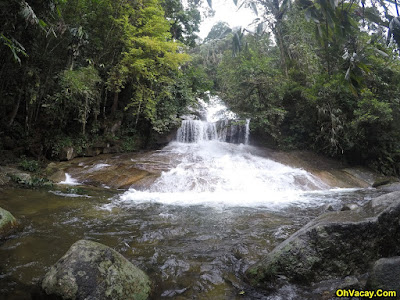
pixel 215 173
pixel 194 131
pixel 69 180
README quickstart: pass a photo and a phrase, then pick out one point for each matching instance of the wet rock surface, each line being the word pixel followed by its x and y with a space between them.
pixel 90 270
pixel 112 171
pixel 335 245
pixel 140 169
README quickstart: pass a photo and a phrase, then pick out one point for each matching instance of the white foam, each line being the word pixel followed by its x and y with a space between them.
pixel 98 167
pixel 214 173
pixel 69 180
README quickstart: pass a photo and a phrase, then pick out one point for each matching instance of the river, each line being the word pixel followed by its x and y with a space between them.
pixel 216 209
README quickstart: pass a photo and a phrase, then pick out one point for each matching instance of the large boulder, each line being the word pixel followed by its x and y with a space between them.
pixel 67 153
pixel 336 244
pixel 7 223
pixel 90 271
pixel 385 275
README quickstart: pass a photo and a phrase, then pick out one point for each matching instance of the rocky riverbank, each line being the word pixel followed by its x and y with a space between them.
pixel 337 245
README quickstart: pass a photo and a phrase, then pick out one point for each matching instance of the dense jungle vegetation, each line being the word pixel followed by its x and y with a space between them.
pixel 321 75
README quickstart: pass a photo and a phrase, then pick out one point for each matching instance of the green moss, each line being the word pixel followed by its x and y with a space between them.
pixel 7 222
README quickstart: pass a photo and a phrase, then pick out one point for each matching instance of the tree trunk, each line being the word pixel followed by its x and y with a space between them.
pixel 15 110
pixel 282 49
pixel 115 103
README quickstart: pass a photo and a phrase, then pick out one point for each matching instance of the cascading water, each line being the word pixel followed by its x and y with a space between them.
pixel 216 209
pixel 247 132
pixel 193 131
pixel 214 165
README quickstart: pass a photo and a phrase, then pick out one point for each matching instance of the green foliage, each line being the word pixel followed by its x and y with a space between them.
pixel 129 144
pixel 371 111
pixel 31 182
pixel 29 165
pixel 326 85
pixel 86 65
pixel 79 94
pixel 253 87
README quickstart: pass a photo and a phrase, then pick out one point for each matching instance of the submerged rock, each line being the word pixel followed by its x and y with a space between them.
pixel 336 244
pixel 7 223
pixel 90 270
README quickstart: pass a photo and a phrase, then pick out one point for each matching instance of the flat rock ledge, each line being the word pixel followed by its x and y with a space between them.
pixel 90 271
pixel 8 223
pixel 335 245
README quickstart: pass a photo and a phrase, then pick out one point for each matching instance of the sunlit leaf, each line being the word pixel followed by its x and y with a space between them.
pixel 347 76
pixel 382 53
pixel 254 8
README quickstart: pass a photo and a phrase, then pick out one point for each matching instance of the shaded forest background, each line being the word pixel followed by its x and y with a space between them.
pixel 319 75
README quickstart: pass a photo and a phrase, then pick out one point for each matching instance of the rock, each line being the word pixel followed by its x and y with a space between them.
pixel 58 176
pixel 164 139
pixel 8 174
pixel 113 149
pixel 385 275
pixel 336 244
pixel 92 151
pixel 384 181
pixel 116 176
pixel 391 187
pixel 67 153
pixel 7 223
pixel 90 270
pixel 351 206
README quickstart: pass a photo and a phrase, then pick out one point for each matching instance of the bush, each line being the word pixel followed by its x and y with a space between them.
pixel 29 165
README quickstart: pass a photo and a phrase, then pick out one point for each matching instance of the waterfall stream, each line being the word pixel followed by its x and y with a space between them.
pixel 216 166
pixel 219 206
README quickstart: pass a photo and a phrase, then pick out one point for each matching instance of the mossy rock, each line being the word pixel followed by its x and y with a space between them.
pixel 7 223
pixel 384 181
pixel 91 270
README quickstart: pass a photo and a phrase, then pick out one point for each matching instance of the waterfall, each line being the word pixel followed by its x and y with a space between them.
pixel 210 165
pixel 247 132
pixel 194 131
pixel 230 131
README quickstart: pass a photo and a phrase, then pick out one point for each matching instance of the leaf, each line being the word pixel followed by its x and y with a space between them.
pixel 347 76
pixel 364 67
pixel 373 15
pixel 254 8
pixel 380 52
pixel 235 1
pixel 307 14
pixel 241 5
pixel 260 28
pixel 334 3
pixel 42 23
pixel 209 3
